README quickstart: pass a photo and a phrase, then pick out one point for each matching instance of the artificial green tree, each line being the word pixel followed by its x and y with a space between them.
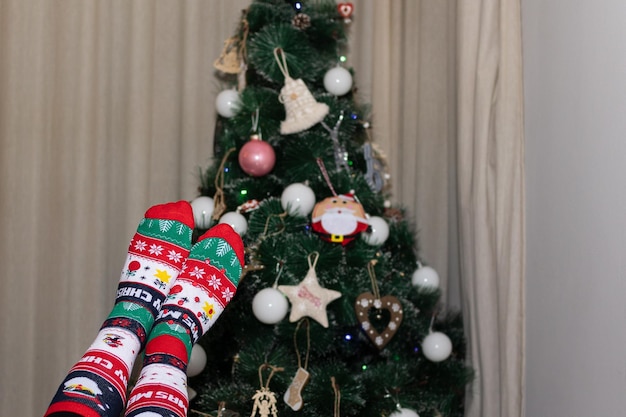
pixel 359 347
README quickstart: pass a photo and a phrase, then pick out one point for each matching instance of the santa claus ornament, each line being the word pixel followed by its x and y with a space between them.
pixel 339 219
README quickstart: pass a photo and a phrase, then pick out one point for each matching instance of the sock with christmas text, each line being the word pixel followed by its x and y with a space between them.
pixel 96 385
pixel 204 287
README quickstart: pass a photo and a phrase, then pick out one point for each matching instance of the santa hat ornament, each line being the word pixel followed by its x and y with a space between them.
pixel 339 219
pixel 303 111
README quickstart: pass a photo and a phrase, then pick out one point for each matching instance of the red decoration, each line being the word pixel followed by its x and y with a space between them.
pixel 339 219
pixel 133 266
pixel 345 10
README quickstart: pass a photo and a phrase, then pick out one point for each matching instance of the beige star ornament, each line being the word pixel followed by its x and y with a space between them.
pixel 309 299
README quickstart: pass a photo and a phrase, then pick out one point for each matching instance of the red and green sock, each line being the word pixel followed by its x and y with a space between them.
pixel 205 286
pixel 96 385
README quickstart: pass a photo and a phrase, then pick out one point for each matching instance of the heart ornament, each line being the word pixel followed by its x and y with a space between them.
pixel 366 304
pixel 345 10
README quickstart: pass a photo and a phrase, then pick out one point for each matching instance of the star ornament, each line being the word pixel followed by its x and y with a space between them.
pixel 309 299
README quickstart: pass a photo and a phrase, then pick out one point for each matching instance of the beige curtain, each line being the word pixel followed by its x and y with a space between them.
pixel 490 166
pixel 107 107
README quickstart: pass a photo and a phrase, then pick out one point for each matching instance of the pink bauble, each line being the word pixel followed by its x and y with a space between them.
pixel 257 157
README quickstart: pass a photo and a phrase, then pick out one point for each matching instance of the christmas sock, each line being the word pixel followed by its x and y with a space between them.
pixel 96 385
pixel 201 292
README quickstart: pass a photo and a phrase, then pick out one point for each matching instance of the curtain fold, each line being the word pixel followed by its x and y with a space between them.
pixel 490 145
pixel 107 107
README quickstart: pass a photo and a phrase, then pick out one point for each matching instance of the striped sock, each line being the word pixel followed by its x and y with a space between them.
pixel 203 289
pixel 96 385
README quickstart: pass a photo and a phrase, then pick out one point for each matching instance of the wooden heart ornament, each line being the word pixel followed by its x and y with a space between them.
pixel 366 304
pixel 345 10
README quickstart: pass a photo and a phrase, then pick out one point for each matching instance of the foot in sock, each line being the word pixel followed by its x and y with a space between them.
pixel 96 385
pixel 201 292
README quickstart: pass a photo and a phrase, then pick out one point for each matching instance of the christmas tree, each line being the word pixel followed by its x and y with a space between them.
pixel 335 313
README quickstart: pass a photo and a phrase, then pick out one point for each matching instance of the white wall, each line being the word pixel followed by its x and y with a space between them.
pixel 575 86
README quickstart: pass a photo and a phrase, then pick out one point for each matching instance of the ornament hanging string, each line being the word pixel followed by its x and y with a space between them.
pixel 281 61
pixel 308 343
pixel 320 163
pixel 273 371
pixel 279 271
pixel 337 396
pixel 281 217
pixel 218 198
pixel 241 77
pixel 255 122
pixel 372 274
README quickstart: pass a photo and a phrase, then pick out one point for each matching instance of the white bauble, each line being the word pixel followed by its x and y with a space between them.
pixel 197 361
pixel 379 231
pixel 227 103
pixel 437 347
pixel 338 81
pixel 191 394
pixel 425 277
pixel 298 199
pixel 202 211
pixel 236 220
pixel 404 412
pixel 270 306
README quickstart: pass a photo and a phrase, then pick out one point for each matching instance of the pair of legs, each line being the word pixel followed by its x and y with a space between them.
pixel 169 295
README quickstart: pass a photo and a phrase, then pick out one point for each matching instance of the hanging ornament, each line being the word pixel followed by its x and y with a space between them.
pixel 270 305
pixel 230 60
pixel 256 157
pixel 197 361
pixel 425 277
pixel 293 395
pixel 345 11
pixel 340 218
pixel 404 412
pixel 236 220
pixel 298 199
pixel 301 21
pixel 227 103
pixel 377 233
pixel 264 399
pixel 341 156
pixel 248 206
pixel 309 299
pixel 338 81
pixel 302 111
pixel 202 208
pixel 368 304
pixel 375 174
pixel 437 346
pixel 233 56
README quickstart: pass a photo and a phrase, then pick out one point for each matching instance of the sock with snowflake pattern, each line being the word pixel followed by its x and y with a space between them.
pixel 205 286
pixel 96 385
